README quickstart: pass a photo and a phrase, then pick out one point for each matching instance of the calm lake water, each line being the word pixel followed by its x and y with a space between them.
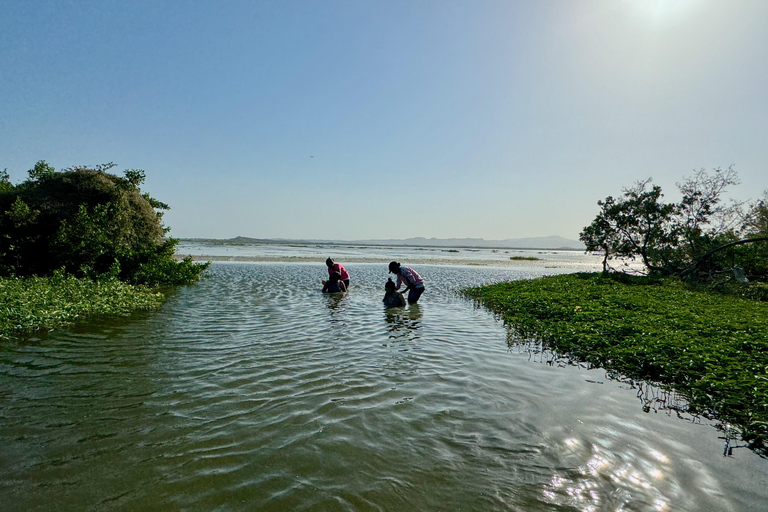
pixel 251 390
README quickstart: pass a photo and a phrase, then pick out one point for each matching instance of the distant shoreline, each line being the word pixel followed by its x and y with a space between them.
pixel 526 244
pixel 525 264
pixel 247 250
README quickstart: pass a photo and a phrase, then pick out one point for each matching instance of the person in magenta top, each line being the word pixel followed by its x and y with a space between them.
pixel 414 284
pixel 338 267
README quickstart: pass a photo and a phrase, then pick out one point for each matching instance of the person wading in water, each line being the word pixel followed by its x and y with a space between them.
pixel 414 284
pixel 338 267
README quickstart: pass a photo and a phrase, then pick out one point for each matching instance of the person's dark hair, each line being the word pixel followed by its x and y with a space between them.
pixel 389 285
pixel 394 267
pixel 335 276
pixel 329 262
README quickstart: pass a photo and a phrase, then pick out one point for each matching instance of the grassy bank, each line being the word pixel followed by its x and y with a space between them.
pixel 711 347
pixel 37 303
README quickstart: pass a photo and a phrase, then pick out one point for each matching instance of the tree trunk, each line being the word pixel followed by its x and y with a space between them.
pixel 709 253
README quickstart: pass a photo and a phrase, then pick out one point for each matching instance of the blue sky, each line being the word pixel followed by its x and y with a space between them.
pixel 361 119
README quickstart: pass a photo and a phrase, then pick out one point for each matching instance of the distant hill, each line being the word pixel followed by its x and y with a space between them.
pixel 544 242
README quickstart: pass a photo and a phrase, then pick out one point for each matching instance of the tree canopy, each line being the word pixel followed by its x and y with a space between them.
pixel 698 236
pixel 90 223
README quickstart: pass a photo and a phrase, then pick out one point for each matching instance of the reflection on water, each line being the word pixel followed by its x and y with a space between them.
pixel 403 323
pixel 251 390
pixel 606 482
pixel 652 397
pixel 335 300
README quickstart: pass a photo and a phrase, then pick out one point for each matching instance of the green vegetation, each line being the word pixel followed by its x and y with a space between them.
pixel 81 242
pixel 524 258
pixel 711 347
pixel 697 322
pixel 698 238
pixel 36 303
pixel 89 223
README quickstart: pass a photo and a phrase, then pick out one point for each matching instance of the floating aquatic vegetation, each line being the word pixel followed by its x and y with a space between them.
pixel 37 303
pixel 709 347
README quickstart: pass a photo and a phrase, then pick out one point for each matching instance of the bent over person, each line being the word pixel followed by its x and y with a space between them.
pixel 338 267
pixel 414 284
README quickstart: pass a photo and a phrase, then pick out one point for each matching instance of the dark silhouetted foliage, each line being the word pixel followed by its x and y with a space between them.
pixel 90 223
pixel 699 237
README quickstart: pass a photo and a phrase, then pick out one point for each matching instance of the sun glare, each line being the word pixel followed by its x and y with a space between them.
pixel 660 13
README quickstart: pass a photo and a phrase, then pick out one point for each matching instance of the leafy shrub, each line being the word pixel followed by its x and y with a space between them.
pixel 90 223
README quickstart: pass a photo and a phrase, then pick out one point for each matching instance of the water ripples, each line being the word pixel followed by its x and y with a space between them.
pixel 252 390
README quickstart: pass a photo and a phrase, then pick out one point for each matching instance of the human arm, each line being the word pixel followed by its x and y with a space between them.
pixel 405 277
pixel 400 282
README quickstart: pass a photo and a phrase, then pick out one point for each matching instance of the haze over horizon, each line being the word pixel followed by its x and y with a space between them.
pixel 360 120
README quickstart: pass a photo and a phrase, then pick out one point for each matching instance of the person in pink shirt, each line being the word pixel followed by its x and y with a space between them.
pixel 414 284
pixel 338 267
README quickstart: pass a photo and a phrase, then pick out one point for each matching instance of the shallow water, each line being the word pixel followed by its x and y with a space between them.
pixel 251 390
pixel 564 259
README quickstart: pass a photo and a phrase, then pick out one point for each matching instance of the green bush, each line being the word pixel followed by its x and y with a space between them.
pixel 90 223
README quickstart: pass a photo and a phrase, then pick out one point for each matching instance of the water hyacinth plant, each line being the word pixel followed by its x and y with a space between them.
pixel 711 347
pixel 42 303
